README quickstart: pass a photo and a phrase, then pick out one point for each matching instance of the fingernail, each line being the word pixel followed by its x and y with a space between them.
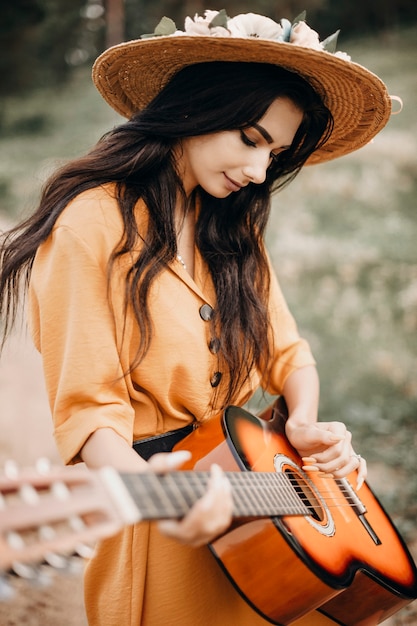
pixel 309 459
pixel 178 458
pixel 310 468
pixel 359 483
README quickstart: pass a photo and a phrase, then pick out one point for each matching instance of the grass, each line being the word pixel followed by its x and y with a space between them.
pixel 40 131
pixel 342 238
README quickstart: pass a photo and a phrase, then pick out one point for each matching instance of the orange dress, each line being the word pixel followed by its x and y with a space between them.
pixel 87 341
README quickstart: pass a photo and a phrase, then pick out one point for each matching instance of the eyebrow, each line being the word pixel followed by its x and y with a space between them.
pixel 266 135
pixel 263 132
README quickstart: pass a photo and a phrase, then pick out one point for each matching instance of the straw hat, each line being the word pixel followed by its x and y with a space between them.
pixel 131 74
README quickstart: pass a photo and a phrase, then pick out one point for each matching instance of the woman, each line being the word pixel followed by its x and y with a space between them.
pixel 151 297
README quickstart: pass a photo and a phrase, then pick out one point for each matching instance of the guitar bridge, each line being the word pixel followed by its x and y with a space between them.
pixel 358 507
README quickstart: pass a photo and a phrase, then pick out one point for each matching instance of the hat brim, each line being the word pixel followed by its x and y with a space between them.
pixel 131 74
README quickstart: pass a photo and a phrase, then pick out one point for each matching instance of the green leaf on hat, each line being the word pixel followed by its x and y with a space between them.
pixel 300 18
pixel 165 27
pixel 219 20
pixel 330 43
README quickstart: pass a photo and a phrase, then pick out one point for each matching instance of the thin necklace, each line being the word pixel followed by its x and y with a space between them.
pixel 181 260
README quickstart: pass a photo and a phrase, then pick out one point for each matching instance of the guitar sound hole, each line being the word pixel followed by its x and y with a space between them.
pixel 306 494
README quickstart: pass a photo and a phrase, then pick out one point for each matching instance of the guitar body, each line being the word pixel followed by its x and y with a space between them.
pixel 344 563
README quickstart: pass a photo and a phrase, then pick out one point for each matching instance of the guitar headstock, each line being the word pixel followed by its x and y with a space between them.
pixel 49 513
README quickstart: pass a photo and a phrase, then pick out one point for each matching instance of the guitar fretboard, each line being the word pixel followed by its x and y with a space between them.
pixel 255 494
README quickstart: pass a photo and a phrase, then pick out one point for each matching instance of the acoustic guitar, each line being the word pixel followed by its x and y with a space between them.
pixel 304 548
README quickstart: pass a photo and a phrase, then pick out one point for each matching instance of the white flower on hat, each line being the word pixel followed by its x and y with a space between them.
pixel 303 35
pixel 342 55
pixel 253 25
pixel 204 27
pixel 250 26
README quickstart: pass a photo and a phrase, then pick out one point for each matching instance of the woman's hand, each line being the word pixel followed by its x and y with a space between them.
pixel 209 517
pixel 326 447
pixel 323 446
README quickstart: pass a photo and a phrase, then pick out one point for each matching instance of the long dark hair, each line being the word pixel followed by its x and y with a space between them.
pixel 139 157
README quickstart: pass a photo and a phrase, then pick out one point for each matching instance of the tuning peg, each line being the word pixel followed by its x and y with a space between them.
pixel 15 540
pixel 23 570
pixel 33 574
pixel 84 551
pixel 43 466
pixel 76 523
pixel 57 561
pixel 29 494
pixel 11 469
pixel 76 566
pixel 60 491
pixel 6 590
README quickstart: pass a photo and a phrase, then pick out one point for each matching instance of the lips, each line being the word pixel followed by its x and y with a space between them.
pixel 232 185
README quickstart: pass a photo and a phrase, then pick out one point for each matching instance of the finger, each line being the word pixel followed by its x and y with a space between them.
pixel 209 517
pixel 167 461
pixel 362 470
pixel 354 462
pixel 332 432
pixel 218 487
pixel 214 510
pixel 318 437
pixel 333 458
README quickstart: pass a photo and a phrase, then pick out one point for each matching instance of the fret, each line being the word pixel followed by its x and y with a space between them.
pixel 187 487
pixel 151 497
pixel 185 496
pixel 255 494
pixel 270 493
pixel 259 500
pixel 243 499
pixel 189 492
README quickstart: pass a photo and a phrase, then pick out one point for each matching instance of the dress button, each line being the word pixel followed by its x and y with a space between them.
pixel 215 379
pixel 206 312
pixel 214 345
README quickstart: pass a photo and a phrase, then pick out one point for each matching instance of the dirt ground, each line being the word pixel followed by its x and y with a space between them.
pixel 26 436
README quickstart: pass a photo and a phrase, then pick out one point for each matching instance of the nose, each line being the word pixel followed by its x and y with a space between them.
pixel 255 168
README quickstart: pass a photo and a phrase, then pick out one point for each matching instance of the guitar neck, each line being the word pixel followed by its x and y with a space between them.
pixel 60 510
pixel 255 494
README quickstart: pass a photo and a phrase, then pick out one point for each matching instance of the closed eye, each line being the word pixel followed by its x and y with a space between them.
pixel 246 140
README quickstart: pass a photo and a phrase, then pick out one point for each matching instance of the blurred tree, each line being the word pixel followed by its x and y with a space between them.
pixel 57 36
pixel 18 26
pixel 366 16
pixel 38 41
pixel 115 22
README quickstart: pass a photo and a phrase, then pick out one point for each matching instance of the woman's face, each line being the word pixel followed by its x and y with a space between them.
pixel 224 162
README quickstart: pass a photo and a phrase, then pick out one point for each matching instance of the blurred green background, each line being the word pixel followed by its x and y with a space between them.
pixel 343 236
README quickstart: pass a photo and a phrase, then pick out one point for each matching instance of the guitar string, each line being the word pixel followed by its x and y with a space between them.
pixel 254 477
pixel 343 493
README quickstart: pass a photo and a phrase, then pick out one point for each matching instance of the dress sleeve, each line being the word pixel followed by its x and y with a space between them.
pixel 289 351
pixel 73 327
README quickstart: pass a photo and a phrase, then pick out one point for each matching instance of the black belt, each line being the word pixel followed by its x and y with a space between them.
pixel 161 443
